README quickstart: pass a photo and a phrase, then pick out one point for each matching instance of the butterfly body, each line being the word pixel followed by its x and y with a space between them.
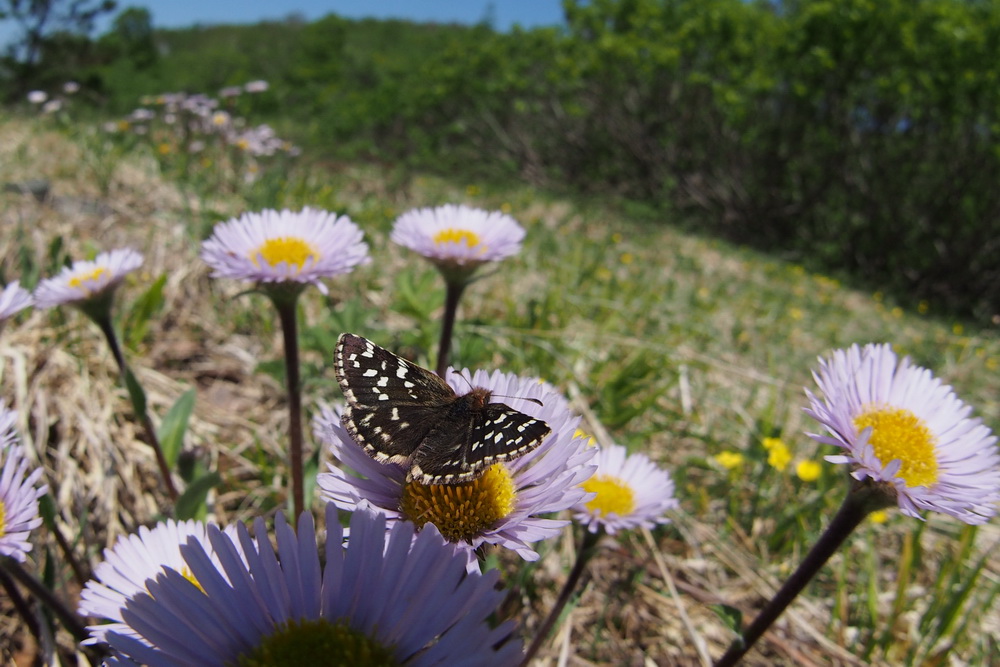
pixel 404 414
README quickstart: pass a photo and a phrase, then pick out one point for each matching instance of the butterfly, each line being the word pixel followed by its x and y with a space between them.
pixel 402 413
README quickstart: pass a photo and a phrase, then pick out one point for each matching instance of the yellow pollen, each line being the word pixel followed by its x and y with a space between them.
pixel 186 573
pixel 289 249
pixel 93 276
pixel 457 236
pixel 3 519
pixel 461 511
pixel 900 434
pixel 613 496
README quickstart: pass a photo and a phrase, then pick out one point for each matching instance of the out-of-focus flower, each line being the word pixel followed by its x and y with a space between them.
pixel 13 299
pixel 458 238
pixel 258 86
pixel 88 283
pixel 808 471
pixel 285 247
pixel 629 492
pixel 778 455
pixel 18 492
pixel 729 460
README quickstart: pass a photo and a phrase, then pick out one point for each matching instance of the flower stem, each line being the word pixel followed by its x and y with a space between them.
pixel 860 501
pixel 67 549
pixel 289 331
pixel 104 323
pixel 20 604
pixel 69 620
pixel 587 549
pixel 453 294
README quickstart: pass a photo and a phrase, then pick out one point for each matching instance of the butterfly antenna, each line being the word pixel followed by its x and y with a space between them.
pixel 523 398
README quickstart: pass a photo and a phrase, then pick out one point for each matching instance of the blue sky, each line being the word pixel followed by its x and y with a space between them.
pixel 180 13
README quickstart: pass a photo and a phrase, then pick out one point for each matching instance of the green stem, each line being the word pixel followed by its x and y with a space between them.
pixel 289 331
pixel 453 294
pixel 104 323
pixel 860 501
pixel 67 549
pixel 587 549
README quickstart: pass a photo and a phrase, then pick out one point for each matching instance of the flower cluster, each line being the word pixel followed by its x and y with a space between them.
pixel 180 125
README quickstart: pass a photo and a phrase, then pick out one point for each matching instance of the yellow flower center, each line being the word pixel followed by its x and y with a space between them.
pixel 900 434
pixel 3 519
pixel 187 574
pixel 613 496
pixel 81 279
pixel 457 236
pixel 317 642
pixel 461 511
pixel 289 249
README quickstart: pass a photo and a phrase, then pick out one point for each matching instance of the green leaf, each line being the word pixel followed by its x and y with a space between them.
pixel 191 504
pixel 730 616
pixel 142 311
pixel 135 392
pixel 174 426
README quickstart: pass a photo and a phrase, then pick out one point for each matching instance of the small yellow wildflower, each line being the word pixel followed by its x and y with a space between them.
pixel 729 460
pixel 879 516
pixel 778 455
pixel 808 471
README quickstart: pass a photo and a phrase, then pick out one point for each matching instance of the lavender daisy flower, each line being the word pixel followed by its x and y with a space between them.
pixel 630 492
pixel 18 493
pixel 905 430
pixel 88 282
pixel 387 598
pixel 504 506
pixel 129 564
pixel 13 299
pixel 457 237
pixel 285 247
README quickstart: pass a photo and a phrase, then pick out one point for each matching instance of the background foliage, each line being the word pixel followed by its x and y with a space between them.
pixel 856 136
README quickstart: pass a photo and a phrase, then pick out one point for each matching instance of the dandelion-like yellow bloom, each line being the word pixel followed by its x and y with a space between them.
pixel 808 471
